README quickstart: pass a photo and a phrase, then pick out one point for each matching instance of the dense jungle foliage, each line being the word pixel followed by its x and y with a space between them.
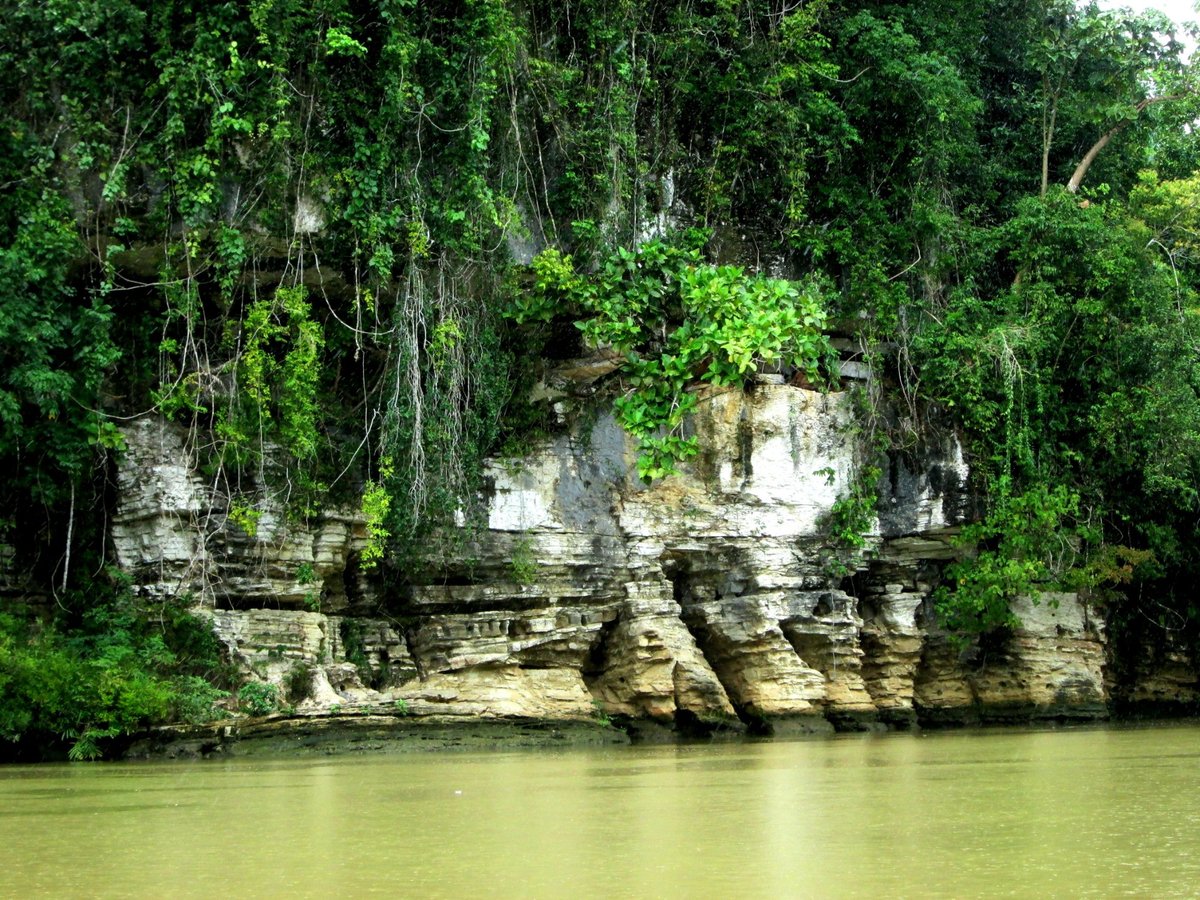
pixel 341 229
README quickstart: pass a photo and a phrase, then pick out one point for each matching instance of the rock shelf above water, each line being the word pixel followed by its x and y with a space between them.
pixel 713 600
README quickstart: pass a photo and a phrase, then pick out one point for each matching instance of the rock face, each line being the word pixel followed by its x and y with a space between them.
pixel 1051 666
pixel 711 600
pixel 1155 674
pixel 179 536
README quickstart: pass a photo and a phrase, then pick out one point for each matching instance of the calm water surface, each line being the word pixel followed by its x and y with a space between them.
pixel 1101 812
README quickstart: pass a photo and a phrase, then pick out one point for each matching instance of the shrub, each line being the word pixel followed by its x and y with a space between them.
pixel 299 683
pixel 102 668
pixel 258 698
pixel 680 322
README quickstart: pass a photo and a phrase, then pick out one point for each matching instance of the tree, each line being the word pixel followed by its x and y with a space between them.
pixel 1102 70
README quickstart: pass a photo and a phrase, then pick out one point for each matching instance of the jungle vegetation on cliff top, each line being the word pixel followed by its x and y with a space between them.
pixel 343 228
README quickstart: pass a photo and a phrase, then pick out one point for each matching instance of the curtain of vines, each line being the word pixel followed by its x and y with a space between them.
pixel 286 224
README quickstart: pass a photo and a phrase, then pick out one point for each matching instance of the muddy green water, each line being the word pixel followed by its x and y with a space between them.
pixel 1104 812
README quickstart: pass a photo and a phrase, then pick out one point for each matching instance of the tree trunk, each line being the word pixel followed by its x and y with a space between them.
pixel 1090 157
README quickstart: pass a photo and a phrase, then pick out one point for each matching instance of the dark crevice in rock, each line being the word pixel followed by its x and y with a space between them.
pixel 597 659
pixel 849 585
pixel 566 340
pixel 409 634
pixel 757 725
pixel 745 439
pixel 689 725
pixel 824 607
pixel 643 731
pixel 678 589
pixel 812 649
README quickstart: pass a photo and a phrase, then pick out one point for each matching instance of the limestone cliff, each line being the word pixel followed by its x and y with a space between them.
pixel 710 600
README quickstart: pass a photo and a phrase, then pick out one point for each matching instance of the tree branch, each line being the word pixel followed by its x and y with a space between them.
pixel 1090 157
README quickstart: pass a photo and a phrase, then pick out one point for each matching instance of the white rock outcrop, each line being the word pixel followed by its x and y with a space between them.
pixel 708 599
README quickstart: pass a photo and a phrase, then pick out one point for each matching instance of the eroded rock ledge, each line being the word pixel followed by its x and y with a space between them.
pixel 710 601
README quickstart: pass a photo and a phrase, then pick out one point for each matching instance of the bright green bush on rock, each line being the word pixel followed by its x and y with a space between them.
pixel 679 322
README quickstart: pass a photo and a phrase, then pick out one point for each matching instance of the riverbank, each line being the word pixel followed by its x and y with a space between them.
pixel 378 734
pixel 342 735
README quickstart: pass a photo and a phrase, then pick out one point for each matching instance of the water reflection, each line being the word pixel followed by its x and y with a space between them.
pixel 1066 813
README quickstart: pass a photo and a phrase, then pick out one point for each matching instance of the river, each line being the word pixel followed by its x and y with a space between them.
pixel 1087 812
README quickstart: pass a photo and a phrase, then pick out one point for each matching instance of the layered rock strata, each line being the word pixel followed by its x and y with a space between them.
pixel 711 600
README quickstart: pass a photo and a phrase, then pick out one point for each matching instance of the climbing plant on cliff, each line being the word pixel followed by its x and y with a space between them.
pixel 1000 258
pixel 249 182
pixel 294 214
